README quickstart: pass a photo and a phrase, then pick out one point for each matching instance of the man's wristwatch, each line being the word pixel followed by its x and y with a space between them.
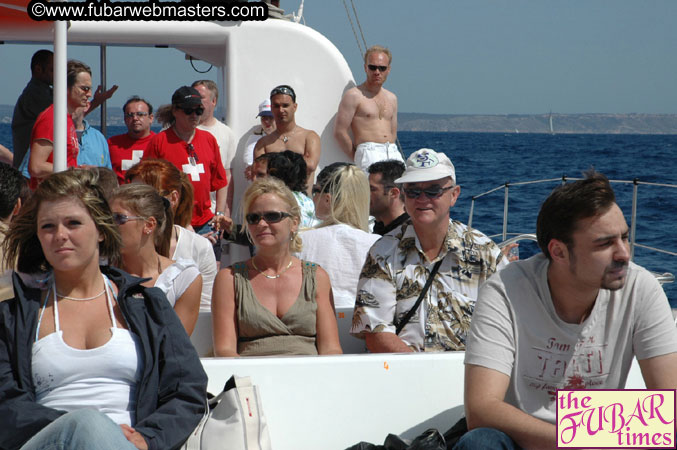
pixel 219 213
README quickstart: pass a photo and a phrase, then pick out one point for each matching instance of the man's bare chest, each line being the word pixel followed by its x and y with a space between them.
pixel 296 144
pixel 375 108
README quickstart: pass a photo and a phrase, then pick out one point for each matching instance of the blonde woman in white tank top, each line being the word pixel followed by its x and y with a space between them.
pixel 85 342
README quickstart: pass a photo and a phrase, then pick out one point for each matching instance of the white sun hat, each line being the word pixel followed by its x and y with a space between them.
pixel 427 165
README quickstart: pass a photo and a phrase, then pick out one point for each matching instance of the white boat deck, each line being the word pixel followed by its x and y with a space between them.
pixel 333 402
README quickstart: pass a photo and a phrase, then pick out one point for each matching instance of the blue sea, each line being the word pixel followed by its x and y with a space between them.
pixel 488 160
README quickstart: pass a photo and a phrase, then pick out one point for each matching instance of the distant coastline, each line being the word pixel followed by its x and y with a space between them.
pixel 486 123
pixel 539 123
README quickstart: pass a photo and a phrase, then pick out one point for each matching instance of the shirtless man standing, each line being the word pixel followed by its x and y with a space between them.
pixel 370 111
pixel 288 135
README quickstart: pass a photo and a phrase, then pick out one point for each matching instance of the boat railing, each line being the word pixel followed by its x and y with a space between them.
pixel 636 183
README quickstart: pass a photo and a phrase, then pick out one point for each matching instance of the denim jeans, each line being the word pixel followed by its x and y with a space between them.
pixel 85 429
pixel 486 438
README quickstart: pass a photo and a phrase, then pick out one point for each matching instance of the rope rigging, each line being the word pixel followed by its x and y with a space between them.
pixel 352 25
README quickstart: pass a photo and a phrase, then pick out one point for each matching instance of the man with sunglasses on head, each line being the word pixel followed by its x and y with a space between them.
pixel 127 149
pixel 370 112
pixel 399 265
pixel 288 135
pixel 196 153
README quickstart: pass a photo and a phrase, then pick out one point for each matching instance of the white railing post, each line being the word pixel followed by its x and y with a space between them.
pixel 505 212
pixel 472 209
pixel 633 218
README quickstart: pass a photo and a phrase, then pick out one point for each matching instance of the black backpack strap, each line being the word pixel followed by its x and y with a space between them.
pixel 411 312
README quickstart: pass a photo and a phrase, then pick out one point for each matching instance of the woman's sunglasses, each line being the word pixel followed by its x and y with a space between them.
pixel 122 219
pixel 268 216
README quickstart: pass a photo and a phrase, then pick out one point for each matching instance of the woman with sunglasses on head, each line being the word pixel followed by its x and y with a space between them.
pixel 341 242
pixel 96 360
pixel 196 153
pixel 273 303
pixel 175 186
pixel 145 221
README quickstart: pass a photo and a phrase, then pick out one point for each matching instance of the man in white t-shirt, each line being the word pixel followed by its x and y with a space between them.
pixel 572 317
pixel 224 135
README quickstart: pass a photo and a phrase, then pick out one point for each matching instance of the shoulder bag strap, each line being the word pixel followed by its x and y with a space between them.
pixel 411 312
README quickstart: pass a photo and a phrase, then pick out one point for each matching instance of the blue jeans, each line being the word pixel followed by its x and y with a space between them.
pixel 85 429
pixel 486 438
pixel 204 228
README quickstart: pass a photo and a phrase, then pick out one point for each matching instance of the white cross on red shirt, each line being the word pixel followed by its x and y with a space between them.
pixel 136 157
pixel 193 170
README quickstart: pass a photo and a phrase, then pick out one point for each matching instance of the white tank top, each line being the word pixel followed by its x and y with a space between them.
pixel 102 378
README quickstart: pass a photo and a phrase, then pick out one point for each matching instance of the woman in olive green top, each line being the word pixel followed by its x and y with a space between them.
pixel 273 303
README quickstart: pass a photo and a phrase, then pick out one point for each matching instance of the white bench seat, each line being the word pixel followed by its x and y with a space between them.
pixel 333 402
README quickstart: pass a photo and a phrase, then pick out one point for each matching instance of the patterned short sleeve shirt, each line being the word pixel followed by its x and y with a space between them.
pixel 395 272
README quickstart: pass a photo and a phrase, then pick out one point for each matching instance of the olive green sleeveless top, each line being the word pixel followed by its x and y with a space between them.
pixel 263 333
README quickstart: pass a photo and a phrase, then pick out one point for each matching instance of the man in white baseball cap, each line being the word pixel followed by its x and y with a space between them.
pixel 396 309
pixel 267 127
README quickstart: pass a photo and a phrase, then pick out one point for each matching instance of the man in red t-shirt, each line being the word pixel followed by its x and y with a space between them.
pixel 127 149
pixel 196 153
pixel 40 163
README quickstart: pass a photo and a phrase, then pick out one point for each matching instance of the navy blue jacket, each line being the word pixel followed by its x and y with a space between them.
pixel 171 393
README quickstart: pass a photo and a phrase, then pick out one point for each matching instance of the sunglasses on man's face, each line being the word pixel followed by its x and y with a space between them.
pixel 122 219
pixel 268 216
pixel 188 111
pixel 431 192
pixel 139 114
pixel 373 67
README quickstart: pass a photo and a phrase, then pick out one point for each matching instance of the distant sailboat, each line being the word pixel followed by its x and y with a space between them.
pixel 552 130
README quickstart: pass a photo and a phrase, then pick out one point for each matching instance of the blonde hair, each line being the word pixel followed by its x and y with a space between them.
pixel 210 85
pixel 146 202
pixel 22 246
pixel 348 188
pixel 271 185
pixel 377 49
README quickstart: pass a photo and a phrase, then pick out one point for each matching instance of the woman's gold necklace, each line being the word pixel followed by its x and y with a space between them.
pixel 272 277
pixel 86 299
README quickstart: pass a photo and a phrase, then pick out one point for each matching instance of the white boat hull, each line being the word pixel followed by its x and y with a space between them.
pixel 333 402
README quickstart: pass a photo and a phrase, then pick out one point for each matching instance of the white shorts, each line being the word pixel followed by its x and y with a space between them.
pixel 367 153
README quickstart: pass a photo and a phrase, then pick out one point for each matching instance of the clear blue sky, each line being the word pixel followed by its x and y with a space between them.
pixel 459 57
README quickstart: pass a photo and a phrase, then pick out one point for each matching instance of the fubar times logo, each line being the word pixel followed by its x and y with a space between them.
pixel 616 418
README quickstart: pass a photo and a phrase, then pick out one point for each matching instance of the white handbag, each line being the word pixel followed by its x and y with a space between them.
pixel 234 420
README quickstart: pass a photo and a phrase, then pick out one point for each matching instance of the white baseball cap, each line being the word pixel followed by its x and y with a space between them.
pixel 264 109
pixel 427 165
